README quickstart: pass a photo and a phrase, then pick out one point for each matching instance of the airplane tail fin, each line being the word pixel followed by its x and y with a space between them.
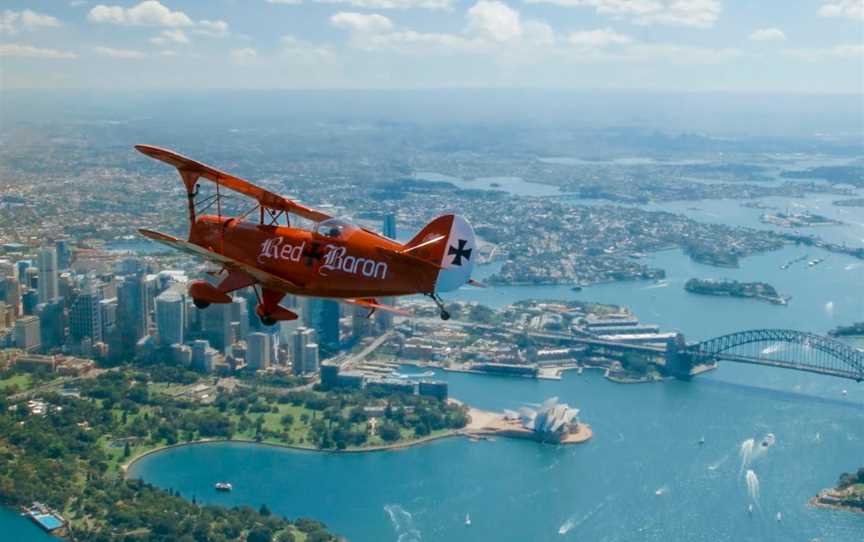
pixel 448 242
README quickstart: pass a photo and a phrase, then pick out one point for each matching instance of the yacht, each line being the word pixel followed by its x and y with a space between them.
pixel 223 486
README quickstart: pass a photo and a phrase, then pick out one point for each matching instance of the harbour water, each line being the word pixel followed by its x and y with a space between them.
pixel 15 527
pixel 643 476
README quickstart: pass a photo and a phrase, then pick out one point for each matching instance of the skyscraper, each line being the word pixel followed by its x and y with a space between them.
pixel 52 323
pixel 64 254
pixel 323 317
pixel 389 226
pixel 27 333
pixel 217 325
pixel 302 337
pixel 48 274
pixel 133 320
pixel 171 317
pixel 85 318
pixel 10 293
pixel 310 359
pixel 258 351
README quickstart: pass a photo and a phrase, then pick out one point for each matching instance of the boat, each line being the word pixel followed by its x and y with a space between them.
pixel 750 509
pixel 779 516
pixel 223 486
pixel 701 441
pixel 467 519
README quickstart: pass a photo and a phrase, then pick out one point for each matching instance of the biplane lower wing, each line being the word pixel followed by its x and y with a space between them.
pixel 268 280
pixel 373 305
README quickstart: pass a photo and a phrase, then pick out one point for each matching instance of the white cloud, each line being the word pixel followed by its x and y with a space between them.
pixel 110 52
pixel 854 51
pixel 601 37
pixel 696 13
pixel 28 51
pixel 494 20
pixel 393 4
pixel 11 22
pixel 147 13
pixel 361 23
pixel 244 56
pixel 216 29
pixel 285 2
pixel 170 37
pixel 847 9
pixel 767 34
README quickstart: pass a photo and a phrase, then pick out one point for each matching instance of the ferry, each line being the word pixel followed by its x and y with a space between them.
pixel 223 486
pixel 467 520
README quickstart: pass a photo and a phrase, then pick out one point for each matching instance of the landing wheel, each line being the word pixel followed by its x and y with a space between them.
pixel 200 303
pixel 445 315
pixel 267 320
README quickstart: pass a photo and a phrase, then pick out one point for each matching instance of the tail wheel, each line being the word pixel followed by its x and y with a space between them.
pixel 445 315
pixel 267 320
pixel 200 303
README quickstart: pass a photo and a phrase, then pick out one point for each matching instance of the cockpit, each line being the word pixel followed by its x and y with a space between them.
pixel 337 228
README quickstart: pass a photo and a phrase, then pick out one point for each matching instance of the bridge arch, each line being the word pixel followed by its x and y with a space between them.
pixel 802 350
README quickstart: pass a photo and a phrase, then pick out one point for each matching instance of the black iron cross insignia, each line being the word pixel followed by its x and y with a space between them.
pixel 460 252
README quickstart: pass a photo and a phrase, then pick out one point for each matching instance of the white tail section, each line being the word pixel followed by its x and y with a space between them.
pixel 460 252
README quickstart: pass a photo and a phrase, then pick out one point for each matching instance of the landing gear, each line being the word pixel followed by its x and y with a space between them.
pixel 267 320
pixel 443 312
pixel 200 303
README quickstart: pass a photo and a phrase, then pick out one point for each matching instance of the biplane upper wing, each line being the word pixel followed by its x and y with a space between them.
pixel 268 280
pixel 264 197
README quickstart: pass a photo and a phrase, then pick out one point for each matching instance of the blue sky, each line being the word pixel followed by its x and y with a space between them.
pixel 810 46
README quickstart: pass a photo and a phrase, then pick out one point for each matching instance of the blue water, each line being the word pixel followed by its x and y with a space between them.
pixel 17 528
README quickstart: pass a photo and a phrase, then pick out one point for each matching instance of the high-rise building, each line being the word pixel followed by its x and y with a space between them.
pixel 299 340
pixel 108 317
pixel 240 314
pixel 361 324
pixel 310 359
pixel 217 325
pixel 133 319
pixel 85 318
pixel 390 226
pixel 323 317
pixel 27 333
pixel 64 253
pixel 52 323
pixel 29 300
pixel 10 293
pixel 22 266
pixel 258 355
pixel 203 356
pixel 48 288
pixel 31 280
pixel 171 317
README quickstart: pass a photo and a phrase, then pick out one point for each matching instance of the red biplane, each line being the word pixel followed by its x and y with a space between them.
pixel 334 259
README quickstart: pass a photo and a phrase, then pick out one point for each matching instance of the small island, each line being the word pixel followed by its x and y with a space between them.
pixel 797 220
pixel 851 202
pixel 732 288
pixel 848 495
pixel 853 330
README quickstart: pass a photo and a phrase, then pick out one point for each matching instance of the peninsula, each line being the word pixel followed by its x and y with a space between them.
pixel 848 495
pixel 732 288
pixel 852 330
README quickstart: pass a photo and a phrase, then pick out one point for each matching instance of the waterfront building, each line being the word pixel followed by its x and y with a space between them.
pixel 433 388
pixel 552 421
pixel 258 354
pixel 171 317
pixel 27 333
pixel 392 385
pixel 85 318
pixel 48 288
pixel 323 317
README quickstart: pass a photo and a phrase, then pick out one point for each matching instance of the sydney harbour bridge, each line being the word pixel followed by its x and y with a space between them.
pixel 781 348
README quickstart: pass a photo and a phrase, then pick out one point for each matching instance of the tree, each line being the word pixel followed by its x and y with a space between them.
pixel 264 511
pixel 259 534
pixel 126 450
pixel 388 431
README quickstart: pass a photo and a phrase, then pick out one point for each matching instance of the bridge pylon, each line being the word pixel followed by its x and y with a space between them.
pixel 679 361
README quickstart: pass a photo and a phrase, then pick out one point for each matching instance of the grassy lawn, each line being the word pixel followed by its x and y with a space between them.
pixel 21 380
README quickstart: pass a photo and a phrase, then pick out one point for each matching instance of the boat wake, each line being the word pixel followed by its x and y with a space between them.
pixel 403 524
pixel 717 464
pixel 572 523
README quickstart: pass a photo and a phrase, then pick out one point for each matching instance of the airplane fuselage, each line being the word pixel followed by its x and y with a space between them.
pixel 357 264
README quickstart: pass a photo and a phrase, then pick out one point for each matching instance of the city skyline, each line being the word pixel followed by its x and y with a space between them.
pixel 685 45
